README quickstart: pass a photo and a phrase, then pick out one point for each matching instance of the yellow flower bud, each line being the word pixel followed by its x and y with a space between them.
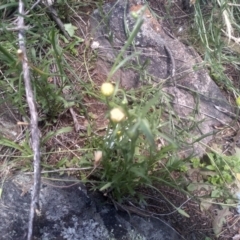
pixel 20 54
pixel 107 89
pixel 117 115
pixel 134 14
pixel 97 158
pixel 238 101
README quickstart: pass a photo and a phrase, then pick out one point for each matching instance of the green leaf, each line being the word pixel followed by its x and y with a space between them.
pixel 133 131
pixel 58 132
pixel 192 187
pixel 79 40
pixel 11 144
pixel 182 212
pixel 118 177
pixel 210 167
pixel 107 185
pixel 62 162
pixel 124 61
pixel 145 128
pixel 70 29
pixel 130 39
pixel 8 56
pixel 84 162
pixel 9 5
pixel 164 136
pixel 216 193
pixel 149 105
pixel 139 172
pixel 211 158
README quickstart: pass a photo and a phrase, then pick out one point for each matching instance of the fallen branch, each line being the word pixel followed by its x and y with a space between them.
pixel 61 170
pixel 16 28
pixel 77 126
pixel 54 16
pixel 34 120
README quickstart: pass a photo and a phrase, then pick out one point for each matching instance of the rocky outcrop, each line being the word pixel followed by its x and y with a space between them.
pixel 179 69
pixel 69 211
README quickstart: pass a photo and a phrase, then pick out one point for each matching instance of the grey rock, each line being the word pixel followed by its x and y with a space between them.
pixel 72 213
pixel 191 88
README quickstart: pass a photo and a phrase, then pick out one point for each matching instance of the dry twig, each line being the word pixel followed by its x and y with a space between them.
pixel 54 15
pixel 34 120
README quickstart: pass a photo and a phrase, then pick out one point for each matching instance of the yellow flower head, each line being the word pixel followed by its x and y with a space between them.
pixel 97 158
pixel 238 101
pixel 107 89
pixel 20 54
pixel 117 115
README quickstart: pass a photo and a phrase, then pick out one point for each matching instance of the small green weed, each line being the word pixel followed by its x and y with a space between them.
pixel 225 168
pixel 129 157
pixel 220 175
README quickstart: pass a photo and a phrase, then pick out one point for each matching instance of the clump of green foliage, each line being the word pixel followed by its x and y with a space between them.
pixel 130 158
pixel 217 26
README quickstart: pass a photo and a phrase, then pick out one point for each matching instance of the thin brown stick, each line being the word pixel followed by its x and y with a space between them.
pixel 34 121
pixel 62 170
pixel 77 126
pixel 16 28
pixel 53 14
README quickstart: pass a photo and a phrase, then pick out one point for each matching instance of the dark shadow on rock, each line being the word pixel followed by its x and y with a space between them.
pixel 70 212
